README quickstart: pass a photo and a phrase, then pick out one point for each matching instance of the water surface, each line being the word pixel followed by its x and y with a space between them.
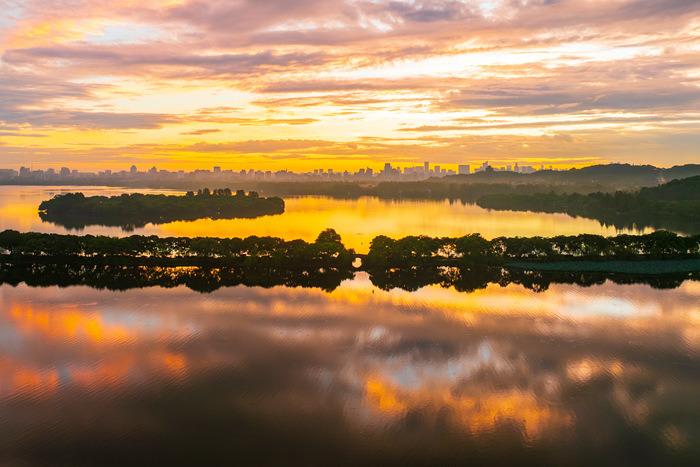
pixel 606 374
pixel 357 221
pixel 600 375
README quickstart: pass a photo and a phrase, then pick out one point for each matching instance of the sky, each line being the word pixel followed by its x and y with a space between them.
pixel 303 84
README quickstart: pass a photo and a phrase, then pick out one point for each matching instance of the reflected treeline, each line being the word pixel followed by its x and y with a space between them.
pixel 208 279
pixel 130 211
pixel 469 279
pixel 201 279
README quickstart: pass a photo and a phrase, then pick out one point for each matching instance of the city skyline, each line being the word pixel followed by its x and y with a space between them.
pixel 299 84
pixel 388 171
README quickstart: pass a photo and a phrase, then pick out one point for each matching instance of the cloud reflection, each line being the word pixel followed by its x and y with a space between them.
pixel 478 367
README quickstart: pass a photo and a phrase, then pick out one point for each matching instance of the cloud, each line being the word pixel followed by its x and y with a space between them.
pixel 204 131
pixel 378 79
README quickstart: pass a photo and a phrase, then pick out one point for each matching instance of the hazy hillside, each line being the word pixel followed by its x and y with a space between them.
pixel 616 176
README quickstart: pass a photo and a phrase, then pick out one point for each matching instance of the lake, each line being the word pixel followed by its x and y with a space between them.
pixel 604 374
pixel 357 221
pixel 601 375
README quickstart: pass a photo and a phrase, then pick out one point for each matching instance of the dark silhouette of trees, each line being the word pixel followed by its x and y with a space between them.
pixel 674 205
pixel 201 279
pixel 75 210
pixel 327 252
pixel 466 263
pixel 473 249
pixel 468 279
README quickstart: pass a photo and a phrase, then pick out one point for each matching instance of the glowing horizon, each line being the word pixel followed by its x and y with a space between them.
pixel 304 84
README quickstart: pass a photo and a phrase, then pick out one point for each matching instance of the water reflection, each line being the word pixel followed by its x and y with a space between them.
pixel 208 279
pixel 574 375
pixel 357 221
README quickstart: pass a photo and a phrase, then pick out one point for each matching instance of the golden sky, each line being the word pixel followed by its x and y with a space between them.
pixel 300 84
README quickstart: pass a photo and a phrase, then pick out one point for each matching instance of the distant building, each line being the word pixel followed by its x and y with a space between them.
pixel 133 169
pixel 24 171
pixel 464 170
pixel 426 167
pixel 217 169
pixel 485 167
pixel 65 171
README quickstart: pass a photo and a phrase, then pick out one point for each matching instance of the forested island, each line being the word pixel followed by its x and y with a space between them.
pixel 328 251
pixel 674 205
pixel 661 259
pixel 130 211
pixel 412 251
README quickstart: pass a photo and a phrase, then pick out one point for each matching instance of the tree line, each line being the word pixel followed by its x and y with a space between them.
pixel 327 252
pixel 674 205
pixel 474 249
pixel 129 211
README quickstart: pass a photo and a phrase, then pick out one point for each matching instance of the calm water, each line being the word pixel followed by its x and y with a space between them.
pixel 357 221
pixel 601 375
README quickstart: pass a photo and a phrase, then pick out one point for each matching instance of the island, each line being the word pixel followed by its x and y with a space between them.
pixel 409 258
pixel 130 211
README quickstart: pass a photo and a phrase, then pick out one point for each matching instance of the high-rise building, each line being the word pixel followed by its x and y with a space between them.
pixel 65 171
pixel 133 170
pixel 217 169
pixel 464 169
pixel 24 171
pixel 426 167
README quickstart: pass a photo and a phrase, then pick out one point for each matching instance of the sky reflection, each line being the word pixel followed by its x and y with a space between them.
pixel 500 369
